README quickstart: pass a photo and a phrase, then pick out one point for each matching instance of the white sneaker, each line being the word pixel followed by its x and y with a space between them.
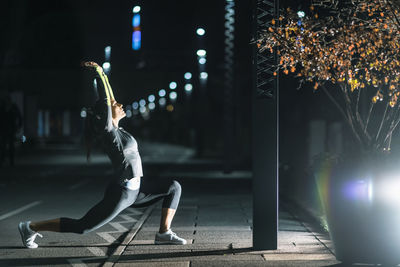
pixel 28 236
pixel 169 237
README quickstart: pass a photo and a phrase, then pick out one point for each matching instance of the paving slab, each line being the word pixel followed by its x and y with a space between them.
pixel 155 264
pixel 239 263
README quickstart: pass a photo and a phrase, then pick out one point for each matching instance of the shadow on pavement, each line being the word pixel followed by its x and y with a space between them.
pixel 181 254
pixel 49 261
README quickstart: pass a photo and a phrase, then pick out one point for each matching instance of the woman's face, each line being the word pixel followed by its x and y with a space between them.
pixel 117 110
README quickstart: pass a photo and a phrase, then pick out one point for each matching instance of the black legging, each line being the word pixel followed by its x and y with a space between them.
pixel 117 198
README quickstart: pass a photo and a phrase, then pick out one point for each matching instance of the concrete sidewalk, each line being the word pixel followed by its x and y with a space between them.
pixel 217 226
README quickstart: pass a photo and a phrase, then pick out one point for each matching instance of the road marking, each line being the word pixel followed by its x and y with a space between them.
pixel 77 185
pixel 119 227
pixel 79 262
pixel 113 259
pixel 12 213
pixel 96 251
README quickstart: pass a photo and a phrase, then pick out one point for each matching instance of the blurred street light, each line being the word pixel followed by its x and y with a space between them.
pixel 203 75
pixel 173 95
pixel 83 113
pixel 162 101
pixel 172 85
pixel 188 75
pixel 201 53
pixel 161 93
pixel 136 9
pixel 202 61
pixel 107 53
pixel 301 14
pixel 188 87
pixel 200 31
pixel 151 98
pixel 106 67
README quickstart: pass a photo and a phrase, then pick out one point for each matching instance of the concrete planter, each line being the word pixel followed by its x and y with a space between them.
pixel 363 216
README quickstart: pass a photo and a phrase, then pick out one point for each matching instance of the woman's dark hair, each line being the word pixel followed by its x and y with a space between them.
pixel 94 124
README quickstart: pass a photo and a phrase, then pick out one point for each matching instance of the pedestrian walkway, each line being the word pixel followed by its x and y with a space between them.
pixel 218 227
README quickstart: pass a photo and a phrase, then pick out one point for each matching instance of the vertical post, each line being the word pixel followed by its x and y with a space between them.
pixel 229 88
pixel 265 134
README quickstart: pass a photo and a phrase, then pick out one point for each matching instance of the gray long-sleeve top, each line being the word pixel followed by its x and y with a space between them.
pixel 120 146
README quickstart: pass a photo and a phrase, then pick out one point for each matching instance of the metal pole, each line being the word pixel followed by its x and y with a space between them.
pixel 229 88
pixel 265 135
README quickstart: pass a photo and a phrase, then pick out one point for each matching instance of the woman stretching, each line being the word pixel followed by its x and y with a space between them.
pixel 125 189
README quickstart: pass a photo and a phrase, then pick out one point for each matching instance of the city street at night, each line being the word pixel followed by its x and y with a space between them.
pixel 200 133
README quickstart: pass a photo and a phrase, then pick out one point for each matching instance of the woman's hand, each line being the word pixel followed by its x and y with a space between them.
pixel 92 64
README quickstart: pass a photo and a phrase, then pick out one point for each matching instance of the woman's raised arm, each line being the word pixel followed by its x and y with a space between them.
pixel 104 90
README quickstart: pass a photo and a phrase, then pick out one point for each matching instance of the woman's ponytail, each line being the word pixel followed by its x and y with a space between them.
pixel 90 132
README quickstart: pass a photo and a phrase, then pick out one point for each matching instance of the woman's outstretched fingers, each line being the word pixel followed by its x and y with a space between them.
pixel 90 64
